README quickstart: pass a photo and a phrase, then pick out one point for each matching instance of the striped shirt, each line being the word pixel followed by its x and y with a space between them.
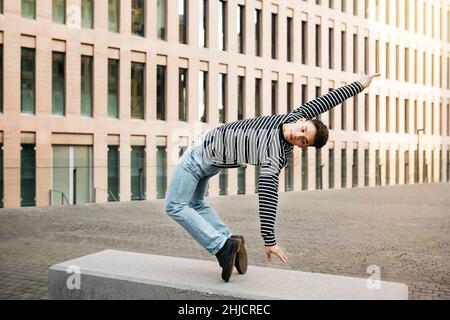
pixel 259 141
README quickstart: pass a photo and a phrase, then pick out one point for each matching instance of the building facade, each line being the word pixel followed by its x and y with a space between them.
pixel 98 99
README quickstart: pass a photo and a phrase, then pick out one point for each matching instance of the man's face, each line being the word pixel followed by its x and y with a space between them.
pixel 301 133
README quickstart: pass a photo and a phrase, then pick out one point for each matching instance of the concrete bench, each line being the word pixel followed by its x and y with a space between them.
pixel 113 274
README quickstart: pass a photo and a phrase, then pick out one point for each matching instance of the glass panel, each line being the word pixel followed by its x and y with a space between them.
pixel 1 78
pixel 161 171
pixel 161 22
pixel 182 21
pixel 182 95
pixel 87 13
pixel 137 173
pixel 289 174
pixel 61 174
pixel 203 24
pixel 82 174
pixel 58 88
pixel 27 175
pixel 366 167
pixel 355 168
pixel 28 81
pixel 222 97
pixel 304 170
pixel 241 81
pixel 223 182
pixel 138 17
pixel 258 32
pixel 274 35
pixel 59 11
pixel 343 168
pixel 161 93
pixel 137 90
pixel 222 25
pixel 86 86
pixel 319 169
pixel 388 168
pixel 257 97
pixel 241 28
pixel 113 10
pixel 241 180
pixel 1 175
pixel 377 168
pixel 29 9
pixel 113 88
pixel 203 96
pixel 113 173
pixel 1 11
pixel 274 97
pixel 331 168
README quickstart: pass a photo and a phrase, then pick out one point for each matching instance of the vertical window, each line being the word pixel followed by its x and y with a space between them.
pixel 397 13
pixel 161 172
pixel 241 180
pixel 331 116
pixel 222 97
pixel 241 98
pixel 223 182
pixel 387 60
pixel 448 119
pixel 416 166
pixel 343 51
pixel 86 86
pixel 355 53
pixel 138 17
pixel 377 113
pixel 318 45
pixel 1 12
pixel 161 92
pixel 331 48
pixel 203 28
pixel 58 84
pixel 355 168
pixel 343 168
pixel 397 115
pixel 304 42
pixel 113 15
pixel 113 173
pixel 289 174
pixel 1 176
pixel 415 67
pixel 241 28
pixel 87 14
pixel 182 21
pixel 366 55
pixel 304 93
pixel 377 168
pixel 355 7
pixel 344 5
pixel 407 15
pixel 344 115
pixel 366 9
pixel 28 74
pixel 161 19
pixel 113 88
pixel 223 25
pixel 59 11
pixel 397 63
pixel 377 56
pixel 424 116
pixel 388 167
pixel 407 116
pixel 203 96
pixel 27 175
pixel 407 167
pixel 366 112
pixel 304 169
pixel 424 167
pixel 289 39
pixel 424 68
pixel 397 167
pixel 319 169
pixel 406 64
pixel 331 168
pixel 388 118
pixel 433 127
pixel 1 80
pixel 366 167
pixel 416 118
pixel 274 97
pixel 289 99
pixel 258 31
pixel 138 172
pixel 258 97
pixel 182 94
pixel 274 35
pixel 137 90
pixel 29 9
pixel 355 113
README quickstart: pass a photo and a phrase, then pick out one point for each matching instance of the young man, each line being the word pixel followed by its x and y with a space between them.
pixel 263 141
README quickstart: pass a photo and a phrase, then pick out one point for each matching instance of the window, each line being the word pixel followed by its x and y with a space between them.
pixel 241 98
pixel 162 19
pixel 58 83
pixel 406 167
pixel 377 113
pixel 138 172
pixel 424 116
pixel 407 65
pixel 343 168
pixel 304 93
pixel 29 9
pixel 289 98
pixel 319 169
pixel 241 180
pixel 388 113
pixel 331 168
pixel 366 167
pixel 289 174
pixel 1 80
pixel 397 167
pixel 355 53
pixel 355 168
pixel 59 11
pixel 343 51
pixel 258 97
pixel 407 116
pixel 366 9
pixel 344 5
pixel 1 12
pixel 387 60
pixel 377 168
pixel 289 39
pixel 331 48
pixel 416 166
pixel 397 115
pixel 304 42
pixel 161 172
pixel 27 175
pixel 355 7
pixel 203 28
pixel 274 36
pixel 113 88
pixel 331 116
pixel 138 17
pixel 377 56
pixel 258 30
pixel 87 14
pixel 223 182
pixel 397 63
pixel 203 96
pixel 366 112
pixel 388 167
pixel 28 74
pixel 366 55
pixel 355 113
pixel 304 169
pixel 344 115
pixel 318 45
pixel 137 90
pixel 86 86
pixel 274 97
pixel 182 21
pixel 183 94
pixel 1 176
pixel 222 25
pixel 114 14
pixel 241 28
pixel 113 173
pixel 222 97
pixel 161 92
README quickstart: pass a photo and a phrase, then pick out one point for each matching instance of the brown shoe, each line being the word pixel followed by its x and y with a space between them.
pixel 241 257
pixel 227 257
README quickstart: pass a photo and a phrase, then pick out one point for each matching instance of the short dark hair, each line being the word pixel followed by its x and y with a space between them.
pixel 321 135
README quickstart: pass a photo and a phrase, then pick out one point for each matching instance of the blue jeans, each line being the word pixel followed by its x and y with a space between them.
pixel 185 202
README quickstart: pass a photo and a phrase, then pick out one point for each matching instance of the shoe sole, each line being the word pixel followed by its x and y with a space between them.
pixel 241 259
pixel 229 272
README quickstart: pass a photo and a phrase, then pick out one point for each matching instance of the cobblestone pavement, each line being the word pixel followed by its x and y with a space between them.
pixel 404 230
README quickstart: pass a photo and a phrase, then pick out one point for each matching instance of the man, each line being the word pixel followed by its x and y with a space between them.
pixel 263 141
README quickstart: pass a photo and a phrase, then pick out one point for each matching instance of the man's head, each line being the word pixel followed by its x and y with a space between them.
pixel 305 133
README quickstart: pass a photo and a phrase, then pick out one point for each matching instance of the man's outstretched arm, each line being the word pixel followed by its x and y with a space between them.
pixel 322 104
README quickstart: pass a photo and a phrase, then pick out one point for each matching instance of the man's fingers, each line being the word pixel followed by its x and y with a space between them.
pixel 282 257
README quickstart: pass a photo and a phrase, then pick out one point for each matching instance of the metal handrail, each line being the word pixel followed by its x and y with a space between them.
pixel 63 196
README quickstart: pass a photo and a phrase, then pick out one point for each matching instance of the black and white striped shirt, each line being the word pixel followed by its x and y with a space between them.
pixel 259 141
